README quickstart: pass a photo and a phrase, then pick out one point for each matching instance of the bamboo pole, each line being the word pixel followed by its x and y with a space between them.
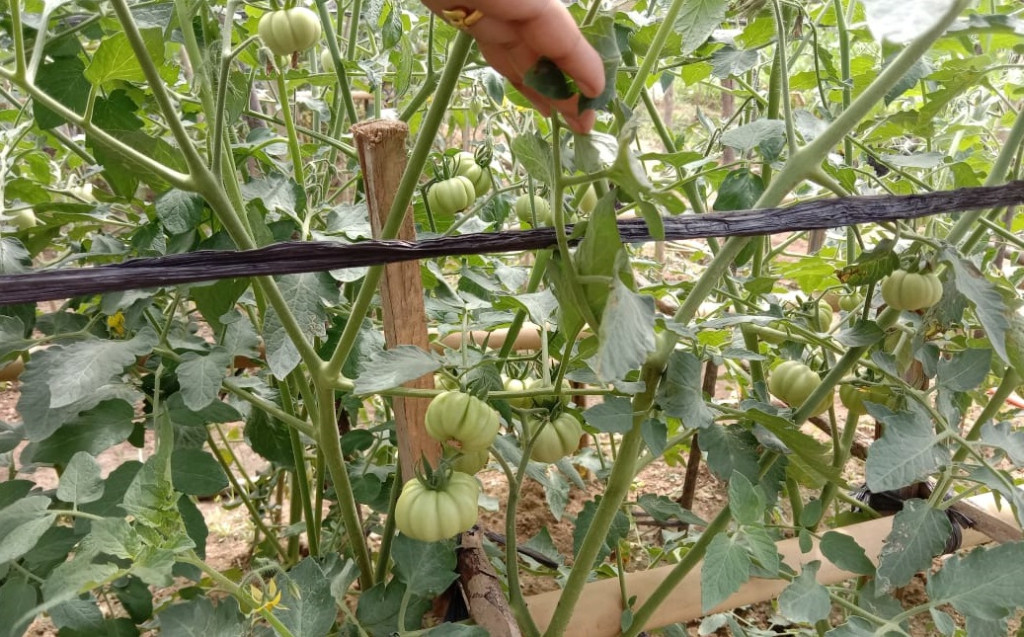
pixel 600 612
pixel 382 156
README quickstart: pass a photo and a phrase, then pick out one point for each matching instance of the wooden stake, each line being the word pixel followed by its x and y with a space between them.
pixel 482 587
pixel 382 156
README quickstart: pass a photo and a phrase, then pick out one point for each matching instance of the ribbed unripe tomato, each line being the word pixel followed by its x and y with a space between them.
pixel 462 418
pixel 793 383
pixel 589 200
pixel 466 166
pixel 540 205
pixel 823 316
pixel 853 397
pixel 326 61
pixel 850 302
pixel 911 291
pixel 468 462
pixel 516 384
pixel 555 440
pixel 434 514
pixel 451 195
pixel 289 30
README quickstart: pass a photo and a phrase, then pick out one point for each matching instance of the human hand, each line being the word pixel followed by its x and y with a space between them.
pixel 514 34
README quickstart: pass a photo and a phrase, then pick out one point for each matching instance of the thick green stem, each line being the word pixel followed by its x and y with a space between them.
pixel 388 535
pixel 330 445
pixel 515 593
pixel 406 190
pixel 339 66
pixel 301 477
pixel 619 482
pixel 298 170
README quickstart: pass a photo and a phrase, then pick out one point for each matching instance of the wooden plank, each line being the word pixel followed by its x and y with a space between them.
pixel 382 156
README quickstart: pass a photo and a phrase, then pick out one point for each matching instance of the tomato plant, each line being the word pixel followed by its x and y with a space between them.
pixel 277 414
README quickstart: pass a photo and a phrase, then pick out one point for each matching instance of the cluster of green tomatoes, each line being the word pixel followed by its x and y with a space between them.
pixel 441 503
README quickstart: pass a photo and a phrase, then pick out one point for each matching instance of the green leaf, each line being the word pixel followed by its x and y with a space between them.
pixel 726 568
pixel 871 266
pixel 618 530
pixel 626 335
pixel 965 370
pixel 663 509
pixel 1003 436
pixel 14 258
pixel 307 295
pixel 377 610
pixel 64 80
pixel 655 434
pixel 697 20
pixel 843 551
pixel 426 568
pixel 746 502
pixel 613 415
pixel 74 577
pixel 75 372
pixel 115 59
pixel 985 583
pixel 179 211
pixel 543 544
pixel 680 394
pixel 547 79
pixel 200 618
pixel 762 549
pixel 195 472
pixel 730 449
pixel 81 482
pixel 740 190
pixel 601 35
pixel 908 451
pixel 269 437
pixel 918 534
pixel 277 194
pixel 539 305
pixel 988 303
pixel 393 367
pixel 19 598
pixel 855 627
pixel 534 153
pixel 11 341
pixel 21 525
pixel 600 256
pixel 805 600
pixel 200 376
pixel 81 615
pixel 307 607
pixel 862 334
pixel 136 598
pixel 757 134
pixel 808 454
pixel 93 431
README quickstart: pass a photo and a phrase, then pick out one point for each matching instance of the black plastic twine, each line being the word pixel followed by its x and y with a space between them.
pixel 313 256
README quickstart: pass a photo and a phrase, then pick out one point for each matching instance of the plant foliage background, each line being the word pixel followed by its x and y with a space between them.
pixel 162 127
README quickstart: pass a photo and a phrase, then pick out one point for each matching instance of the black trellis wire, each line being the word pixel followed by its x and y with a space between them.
pixel 313 256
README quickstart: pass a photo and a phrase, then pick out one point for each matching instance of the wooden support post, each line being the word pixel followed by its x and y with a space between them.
pixel 382 156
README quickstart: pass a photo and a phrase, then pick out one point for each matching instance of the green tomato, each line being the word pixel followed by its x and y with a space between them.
pixel 793 383
pixel 516 384
pixel 525 212
pixel 466 166
pixel 434 514
pixel 326 61
pixel 551 400
pixel 555 440
pixel 911 291
pixel 451 195
pixel 23 219
pixel 289 30
pixel 469 462
pixel 850 302
pixel 853 397
pixel 462 418
pixel 589 200
pixel 823 317
pixel 444 381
